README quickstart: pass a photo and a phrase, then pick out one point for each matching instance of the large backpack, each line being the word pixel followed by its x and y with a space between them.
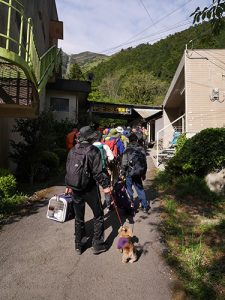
pixel 113 146
pixel 102 150
pixel 137 163
pixel 77 169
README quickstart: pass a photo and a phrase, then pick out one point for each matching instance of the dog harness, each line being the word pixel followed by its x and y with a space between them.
pixel 122 242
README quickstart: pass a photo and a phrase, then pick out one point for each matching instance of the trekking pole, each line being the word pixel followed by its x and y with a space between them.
pixel 116 209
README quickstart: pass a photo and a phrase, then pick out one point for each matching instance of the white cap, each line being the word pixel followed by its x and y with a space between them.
pixel 119 129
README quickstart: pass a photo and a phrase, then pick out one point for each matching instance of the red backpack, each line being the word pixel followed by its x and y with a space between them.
pixel 112 145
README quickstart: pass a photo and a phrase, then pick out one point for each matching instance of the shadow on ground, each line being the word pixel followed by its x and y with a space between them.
pixel 24 210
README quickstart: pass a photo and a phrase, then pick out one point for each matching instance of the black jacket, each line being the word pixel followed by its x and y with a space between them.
pixel 127 157
pixel 94 164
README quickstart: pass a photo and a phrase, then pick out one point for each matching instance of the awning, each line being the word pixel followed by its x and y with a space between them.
pixel 147 112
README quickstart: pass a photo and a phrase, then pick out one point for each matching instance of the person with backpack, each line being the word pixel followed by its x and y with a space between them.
pixel 107 157
pixel 134 167
pixel 83 174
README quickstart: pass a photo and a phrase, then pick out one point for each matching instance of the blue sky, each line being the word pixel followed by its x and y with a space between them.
pixel 107 26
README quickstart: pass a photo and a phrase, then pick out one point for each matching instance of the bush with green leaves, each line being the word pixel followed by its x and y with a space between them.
pixel 4 172
pixel 7 184
pixel 49 159
pixel 200 154
pixel 61 129
pixel 62 154
pixel 180 142
pixel 10 204
pixel 191 185
pixel 38 137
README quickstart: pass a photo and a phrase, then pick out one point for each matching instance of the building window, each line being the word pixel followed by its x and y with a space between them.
pixel 59 104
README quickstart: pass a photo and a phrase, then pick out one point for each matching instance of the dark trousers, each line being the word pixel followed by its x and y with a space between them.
pixel 93 199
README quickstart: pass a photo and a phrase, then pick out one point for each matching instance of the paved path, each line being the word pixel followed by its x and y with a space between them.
pixel 37 259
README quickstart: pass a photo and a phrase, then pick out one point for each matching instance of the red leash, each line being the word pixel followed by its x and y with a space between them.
pixel 116 209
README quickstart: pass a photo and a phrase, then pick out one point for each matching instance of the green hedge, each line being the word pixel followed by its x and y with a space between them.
pixel 61 153
pixel 49 159
pixel 7 184
pixel 200 154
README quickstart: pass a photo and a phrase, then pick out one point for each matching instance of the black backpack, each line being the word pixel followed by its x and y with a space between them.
pixel 137 163
pixel 77 169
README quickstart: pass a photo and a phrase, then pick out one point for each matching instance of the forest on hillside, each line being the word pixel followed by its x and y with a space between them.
pixel 143 74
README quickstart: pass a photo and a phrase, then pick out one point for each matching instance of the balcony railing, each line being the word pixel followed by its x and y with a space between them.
pixel 18 46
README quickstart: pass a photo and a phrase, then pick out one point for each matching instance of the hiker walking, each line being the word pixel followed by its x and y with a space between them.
pixel 107 158
pixel 71 139
pixel 134 167
pixel 83 172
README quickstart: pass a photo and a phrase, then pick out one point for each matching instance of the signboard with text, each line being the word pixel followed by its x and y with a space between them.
pixel 111 109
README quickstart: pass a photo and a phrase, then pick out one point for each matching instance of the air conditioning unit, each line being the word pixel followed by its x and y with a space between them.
pixel 215 94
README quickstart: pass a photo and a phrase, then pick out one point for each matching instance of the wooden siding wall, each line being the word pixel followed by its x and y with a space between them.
pixel 204 70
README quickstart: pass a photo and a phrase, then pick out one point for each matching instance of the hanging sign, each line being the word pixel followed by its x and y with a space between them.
pixel 108 109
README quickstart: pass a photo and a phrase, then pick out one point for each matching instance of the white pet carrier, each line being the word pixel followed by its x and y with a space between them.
pixel 60 208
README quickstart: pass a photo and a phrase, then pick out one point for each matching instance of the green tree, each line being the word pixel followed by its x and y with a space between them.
pixel 213 13
pixel 143 88
pixel 33 154
pixel 110 86
pixel 75 72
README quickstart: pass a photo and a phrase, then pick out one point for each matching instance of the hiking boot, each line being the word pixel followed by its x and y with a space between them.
pixel 97 249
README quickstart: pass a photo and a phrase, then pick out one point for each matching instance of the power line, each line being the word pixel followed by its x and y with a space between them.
pixel 176 25
pixel 209 60
pixel 152 40
pixel 158 33
pixel 161 19
pixel 146 11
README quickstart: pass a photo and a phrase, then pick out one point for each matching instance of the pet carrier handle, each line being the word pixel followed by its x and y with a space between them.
pixel 116 209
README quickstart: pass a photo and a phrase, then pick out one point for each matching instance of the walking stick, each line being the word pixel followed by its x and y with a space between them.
pixel 116 209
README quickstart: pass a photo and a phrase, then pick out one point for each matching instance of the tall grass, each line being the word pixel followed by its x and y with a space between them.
pixel 193 225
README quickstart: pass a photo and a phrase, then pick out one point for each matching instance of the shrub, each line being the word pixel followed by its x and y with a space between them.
pixel 191 185
pixel 201 154
pixel 61 153
pixel 61 129
pixel 10 204
pixel 38 135
pixel 180 142
pixel 4 172
pixel 49 159
pixel 7 185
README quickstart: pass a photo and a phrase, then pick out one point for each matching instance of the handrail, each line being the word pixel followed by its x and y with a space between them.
pixel 157 137
pixel 23 46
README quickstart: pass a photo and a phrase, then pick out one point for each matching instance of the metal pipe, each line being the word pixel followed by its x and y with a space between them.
pixel 21 36
pixel 8 25
pixel 27 57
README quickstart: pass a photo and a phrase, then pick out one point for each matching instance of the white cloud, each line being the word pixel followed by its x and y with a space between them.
pixel 97 25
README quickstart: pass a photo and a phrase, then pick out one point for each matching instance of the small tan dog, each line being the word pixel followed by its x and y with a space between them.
pixel 125 245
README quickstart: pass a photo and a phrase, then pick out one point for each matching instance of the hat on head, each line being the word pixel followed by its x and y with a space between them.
pixel 86 133
pixel 126 132
pixel 119 129
pixel 113 133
